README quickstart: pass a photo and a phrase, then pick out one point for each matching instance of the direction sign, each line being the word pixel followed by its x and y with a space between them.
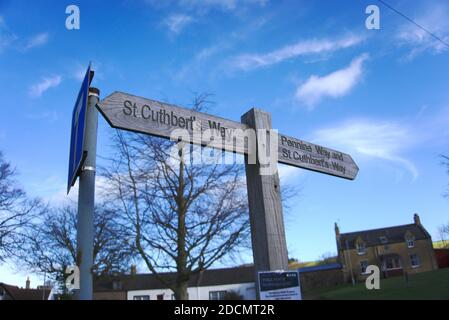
pixel 77 152
pixel 313 157
pixel 129 112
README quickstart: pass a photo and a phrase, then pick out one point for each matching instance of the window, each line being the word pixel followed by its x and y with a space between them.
pixel 410 239
pixel 145 297
pixel 160 297
pixel 414 260
pixel 363 266
pixel 361 248
pixel 392 262
pixel 116 285
pixel 383 240
pixel 217 295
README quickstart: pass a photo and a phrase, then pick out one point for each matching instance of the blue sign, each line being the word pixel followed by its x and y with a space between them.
pixel 77 152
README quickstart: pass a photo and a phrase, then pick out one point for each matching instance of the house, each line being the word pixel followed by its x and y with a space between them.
pixel 213 284
pixel 395 250
pixel 9 292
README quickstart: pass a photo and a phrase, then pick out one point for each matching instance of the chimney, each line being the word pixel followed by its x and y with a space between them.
pixel 27 284
pixel 133 269
pixel 337 230
pixel 417 219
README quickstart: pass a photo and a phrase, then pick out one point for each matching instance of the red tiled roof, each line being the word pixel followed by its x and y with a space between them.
pixel 16 293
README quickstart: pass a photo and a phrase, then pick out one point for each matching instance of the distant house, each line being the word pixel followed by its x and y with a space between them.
pixel 212 284
pixel 395 250
pixel 9 292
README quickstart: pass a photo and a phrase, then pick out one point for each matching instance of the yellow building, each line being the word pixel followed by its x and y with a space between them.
pixel 395 250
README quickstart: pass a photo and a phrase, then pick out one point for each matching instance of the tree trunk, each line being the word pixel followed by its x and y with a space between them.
pixel 183 277
pixel 181 289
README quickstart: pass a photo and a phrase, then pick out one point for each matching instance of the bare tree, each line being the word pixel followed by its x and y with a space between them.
pixel 443 230
pixel 182 217
pixel 50 244
pixel 16 211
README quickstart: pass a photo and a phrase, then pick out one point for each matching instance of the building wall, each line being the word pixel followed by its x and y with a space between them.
pixel 442 256
pixel 423 248
pixel 110 295
pixel 247 290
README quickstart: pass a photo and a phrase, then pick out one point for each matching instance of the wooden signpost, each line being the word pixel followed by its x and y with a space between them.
pixel 129 112
pixel 133 113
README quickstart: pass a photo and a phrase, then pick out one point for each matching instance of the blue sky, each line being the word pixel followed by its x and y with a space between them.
pixel 380 95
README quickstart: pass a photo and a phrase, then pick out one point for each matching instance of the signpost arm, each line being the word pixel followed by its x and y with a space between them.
pixel 86 200
pixel 265 208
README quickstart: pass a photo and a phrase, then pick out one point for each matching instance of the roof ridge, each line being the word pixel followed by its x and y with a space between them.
pixel 377 229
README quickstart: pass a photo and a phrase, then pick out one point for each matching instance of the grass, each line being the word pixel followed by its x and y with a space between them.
pixel 441 244
pixel 432 285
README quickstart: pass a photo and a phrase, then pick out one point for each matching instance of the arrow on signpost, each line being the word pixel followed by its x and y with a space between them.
pixel 137 114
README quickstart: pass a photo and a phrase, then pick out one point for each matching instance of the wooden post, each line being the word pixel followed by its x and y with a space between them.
pixel 265 208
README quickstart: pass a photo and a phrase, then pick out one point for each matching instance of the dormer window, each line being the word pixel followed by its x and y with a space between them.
pixel 361 248
pixel 383 240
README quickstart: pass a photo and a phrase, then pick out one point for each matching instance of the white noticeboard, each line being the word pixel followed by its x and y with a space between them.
pixel 279 285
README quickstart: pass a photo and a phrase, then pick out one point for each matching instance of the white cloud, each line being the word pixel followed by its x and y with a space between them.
pixel 288 174
pixel 316 46
pixel 46 83
pixel 7 38
pixel 383 140
pixel 36 41
pixel 177 22
pixel 77 70
pixel 202 6
pixel 79 73
pixel 436 20
pixel 53 189
pixel 205 63
pixel 227 5
pixel 334 85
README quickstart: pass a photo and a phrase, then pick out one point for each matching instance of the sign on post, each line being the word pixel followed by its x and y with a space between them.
pixel 313 157
pixel 282 285
pixel 77 152
pixel 133 113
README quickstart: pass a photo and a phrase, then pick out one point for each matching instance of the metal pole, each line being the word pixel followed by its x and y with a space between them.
pixel 86 200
